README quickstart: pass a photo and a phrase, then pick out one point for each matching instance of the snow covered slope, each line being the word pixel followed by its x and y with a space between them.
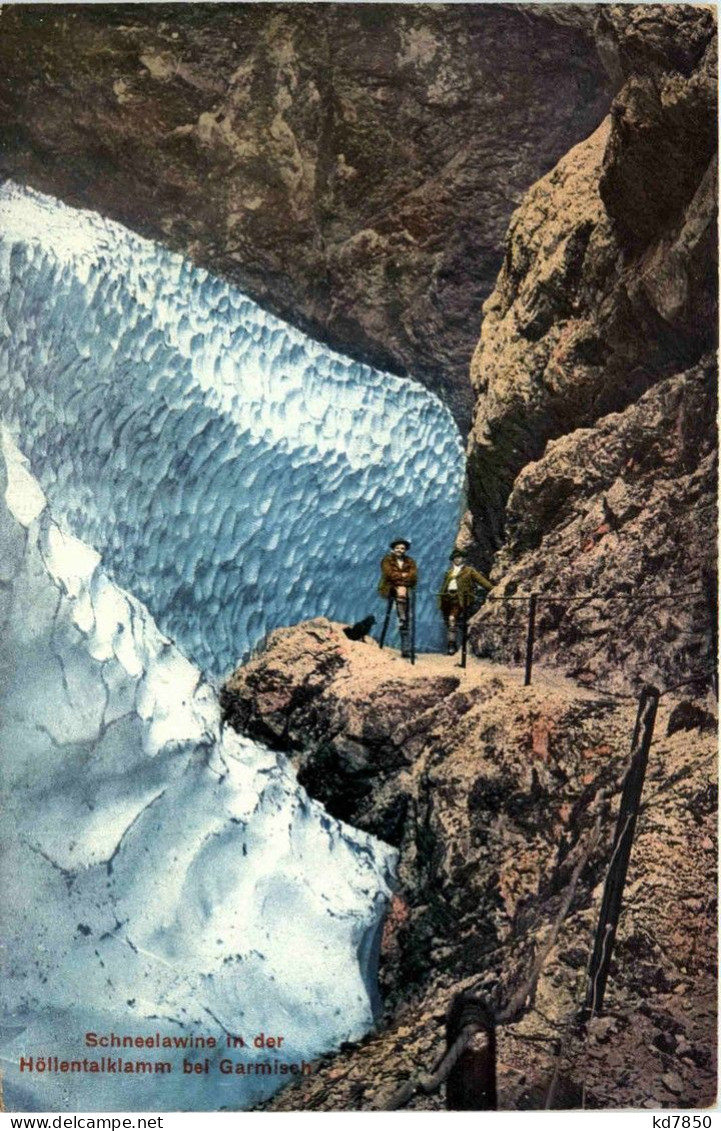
pixel 159 876
pixel 235 474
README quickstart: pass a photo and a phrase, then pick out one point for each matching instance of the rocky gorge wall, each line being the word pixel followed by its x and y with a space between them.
pixel 624 512
pixel 592 456
pixel 609 278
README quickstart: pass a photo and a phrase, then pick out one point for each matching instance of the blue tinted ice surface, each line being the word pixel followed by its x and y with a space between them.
pixel 161 874
pixel 235 474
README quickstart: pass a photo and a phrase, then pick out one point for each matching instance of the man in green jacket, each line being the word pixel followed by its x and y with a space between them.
pixel 399 574
pixel 457 593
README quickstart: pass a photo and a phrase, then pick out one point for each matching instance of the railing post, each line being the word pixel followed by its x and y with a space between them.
pixel 471 1083
pixel 386 619
pixel 530 638
pixel 620 854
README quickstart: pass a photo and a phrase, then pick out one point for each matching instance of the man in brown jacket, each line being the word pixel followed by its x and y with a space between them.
pixel 399 574
pixel 457 594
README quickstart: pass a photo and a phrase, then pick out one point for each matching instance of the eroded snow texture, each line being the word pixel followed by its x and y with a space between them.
pixel 159 875
pixel 235 474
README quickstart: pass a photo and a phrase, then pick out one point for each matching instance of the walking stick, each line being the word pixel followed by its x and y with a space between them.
pixel 464 632
pixel 412 611
pixel 387 618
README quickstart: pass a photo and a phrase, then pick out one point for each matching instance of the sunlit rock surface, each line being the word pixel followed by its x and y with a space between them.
pixel 163 875
pixel 235 474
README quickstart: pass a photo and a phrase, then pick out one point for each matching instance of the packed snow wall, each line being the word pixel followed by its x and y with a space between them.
pixel 235 474
pixel 160 876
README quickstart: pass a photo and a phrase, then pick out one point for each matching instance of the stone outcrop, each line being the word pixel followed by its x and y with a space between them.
pixel 352 167
pixel 609 280
pixel 494 794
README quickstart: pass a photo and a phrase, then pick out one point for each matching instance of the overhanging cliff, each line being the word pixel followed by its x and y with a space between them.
pixel 352 167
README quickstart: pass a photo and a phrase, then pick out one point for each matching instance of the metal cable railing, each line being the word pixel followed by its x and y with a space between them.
pixel 709 592
pixel 534 599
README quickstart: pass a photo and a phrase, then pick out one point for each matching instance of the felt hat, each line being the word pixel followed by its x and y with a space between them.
pixel 458 554
pixel 400 542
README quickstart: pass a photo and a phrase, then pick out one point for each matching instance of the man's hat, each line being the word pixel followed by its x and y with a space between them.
pixel 400 542
pixel 458 553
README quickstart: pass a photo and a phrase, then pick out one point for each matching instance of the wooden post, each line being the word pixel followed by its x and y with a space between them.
pixel 530 638
pixel 386 619
pixel 471 1083
pixel 620 854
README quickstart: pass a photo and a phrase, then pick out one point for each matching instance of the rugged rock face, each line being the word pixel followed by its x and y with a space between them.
pixel 494 793
pixel 609 280
pixel 623 511
pixel 352 167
